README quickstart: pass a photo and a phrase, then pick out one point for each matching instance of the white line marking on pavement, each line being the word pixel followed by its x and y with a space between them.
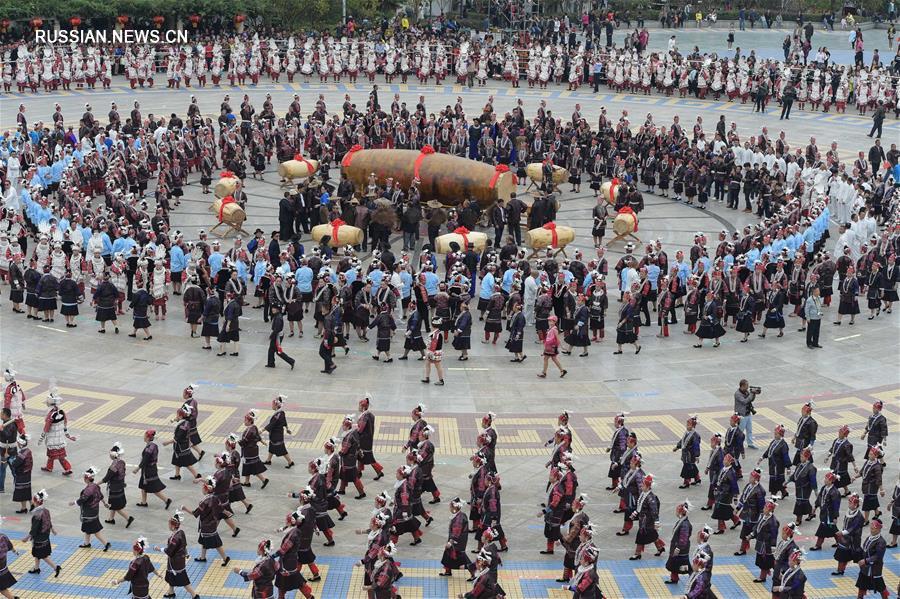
pixel 848 337
pixel 40 326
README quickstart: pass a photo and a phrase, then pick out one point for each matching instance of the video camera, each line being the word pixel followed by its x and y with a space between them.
pixel 754 391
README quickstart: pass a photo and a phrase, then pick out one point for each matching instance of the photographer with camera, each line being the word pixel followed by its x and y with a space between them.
pixel 743 407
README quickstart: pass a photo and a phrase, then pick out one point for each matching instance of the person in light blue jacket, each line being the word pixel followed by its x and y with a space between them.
pixel 215 261
pixel 508 277
pixel 376 275
pixel 406 282
pixel 178 262
pixel 303 278
pixel 488 282
pixel 431 282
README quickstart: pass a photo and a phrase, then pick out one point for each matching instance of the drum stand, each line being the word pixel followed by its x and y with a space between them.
pixel 623 237
pixel 236 229
pixel 535 252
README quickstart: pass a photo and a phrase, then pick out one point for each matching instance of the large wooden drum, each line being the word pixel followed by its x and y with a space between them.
pixel 341 233
pixel 536 173
pixel 625 223
pixel 442 243
pixel 298 168
pixel 229 211
pixel 550 235
pixel 442 177
pixel 226 184
pixel 610 190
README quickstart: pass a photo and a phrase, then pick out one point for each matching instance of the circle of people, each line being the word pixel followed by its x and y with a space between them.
pixel 564 510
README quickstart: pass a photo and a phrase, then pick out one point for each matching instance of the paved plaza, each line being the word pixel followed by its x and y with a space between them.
pixel 113 387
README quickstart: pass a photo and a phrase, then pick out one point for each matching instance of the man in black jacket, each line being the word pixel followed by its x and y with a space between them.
pixel 514 210
pixel 498 220
pixel 877 122
pixel 787 100
pixel 876 155
pixel 286 216
pixel 275 338
pixel 275 249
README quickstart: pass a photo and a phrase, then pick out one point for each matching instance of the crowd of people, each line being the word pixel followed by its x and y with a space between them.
pixel 564 509
pixel 87 216
pixel 811 76
pixel 121 253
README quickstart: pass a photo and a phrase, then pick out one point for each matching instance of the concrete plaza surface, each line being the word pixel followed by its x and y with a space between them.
pixel 114 387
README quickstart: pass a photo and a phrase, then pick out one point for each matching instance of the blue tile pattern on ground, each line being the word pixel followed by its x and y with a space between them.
pixel 341 569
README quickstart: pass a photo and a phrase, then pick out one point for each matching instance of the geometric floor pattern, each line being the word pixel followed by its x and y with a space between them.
pixel 88 572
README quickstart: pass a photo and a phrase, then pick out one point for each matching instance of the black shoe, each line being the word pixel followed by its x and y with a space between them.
pixel 168 502
pixel 328 544
pixel 106 547
pixel 248 508
pixel 435 500
pixel 380 474
pixel 225 561
pixel 360 496
pixel 236 532
pixel 58 570
pixel 265 482
pixel 545 552
pixel 130 520
pixel 416 542
pixel 109 521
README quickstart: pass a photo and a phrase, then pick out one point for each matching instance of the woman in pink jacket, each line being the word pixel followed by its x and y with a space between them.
pixel 551 349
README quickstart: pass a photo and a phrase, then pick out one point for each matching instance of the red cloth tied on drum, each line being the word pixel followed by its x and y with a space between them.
pixel 499 170
pixel 309 166
pixel 613 188
pixel 225 201
pixel 335 225
pixel 349 155
pixel 552 228
pixel 425 151
pixel 464 233
pixel 627 210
